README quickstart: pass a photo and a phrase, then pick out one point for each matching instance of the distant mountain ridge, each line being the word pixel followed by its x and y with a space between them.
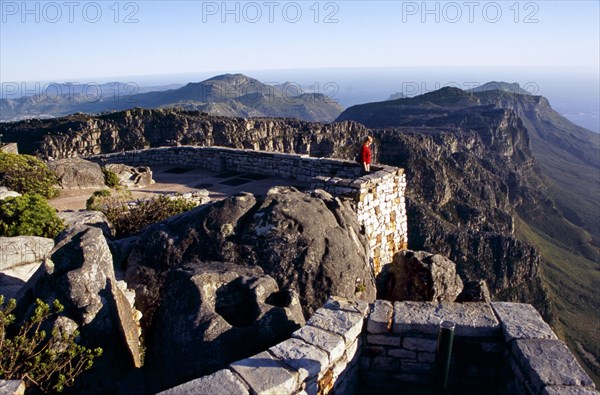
pixel 227 95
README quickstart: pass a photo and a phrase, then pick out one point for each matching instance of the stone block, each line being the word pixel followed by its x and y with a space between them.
pixel 221 382
pixel 384 340
pixel 385 364
pixel 306 359
pixel 402 353
pixel 521 321
pixel 471 319
pixel 333 345
pixel 266 375
pixel 380 319
pixel 354 306
pixel 426 357
pixel 419 344
pixel 344 323
pixel 549 363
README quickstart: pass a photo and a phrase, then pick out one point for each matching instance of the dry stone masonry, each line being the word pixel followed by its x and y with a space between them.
pixel 346 346
pixel 378 196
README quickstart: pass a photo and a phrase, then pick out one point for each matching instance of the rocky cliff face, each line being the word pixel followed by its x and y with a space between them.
pixel 80 135
pixel 467 170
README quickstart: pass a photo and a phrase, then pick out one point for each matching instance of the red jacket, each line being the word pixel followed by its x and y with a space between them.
pixel 365 154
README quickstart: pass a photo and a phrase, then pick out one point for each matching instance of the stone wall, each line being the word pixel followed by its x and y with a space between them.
pixel 321 357
pixel 11 148
pixel 378 196
pixel 503 348
pixel 499 348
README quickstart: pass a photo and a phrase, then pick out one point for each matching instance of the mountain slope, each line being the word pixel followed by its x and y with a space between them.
pixel 560 218
pixel 227 95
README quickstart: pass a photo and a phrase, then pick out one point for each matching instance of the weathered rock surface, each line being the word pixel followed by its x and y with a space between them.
pixel 80 274
pixel 212 314
pixel 20 258
pixel 75 173
pixel 91 218
pixel 277 232
pixel 6 193
pixel 22 250
pixel 132 177
pixel 421 276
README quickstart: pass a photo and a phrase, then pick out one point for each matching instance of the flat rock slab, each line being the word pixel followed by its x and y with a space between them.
pixel 380 319
pixel 471 319
pixel 334 345
pixel 522 321
pixel 562 390
pixel 21 250
pixel 266 375
pixel 221 382
pixel 549 362
pixel 354 306
pixel 306 359
pixel 344 323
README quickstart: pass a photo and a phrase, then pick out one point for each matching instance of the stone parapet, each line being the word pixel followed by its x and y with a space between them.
pixel 319 358
pixel 378 196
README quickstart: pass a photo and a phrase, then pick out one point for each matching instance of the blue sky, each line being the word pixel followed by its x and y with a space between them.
pixel 80 40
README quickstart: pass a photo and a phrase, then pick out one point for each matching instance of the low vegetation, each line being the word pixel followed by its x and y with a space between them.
pixel 28 215
pixel 27 174
pixel 130 218
pixel 50 364
pixel 111 179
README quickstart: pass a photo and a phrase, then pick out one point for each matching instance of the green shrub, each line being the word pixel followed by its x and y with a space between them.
pixel 129 219
pixel 28 215
pixel 111 179
pixel 50 364
pixel 27 174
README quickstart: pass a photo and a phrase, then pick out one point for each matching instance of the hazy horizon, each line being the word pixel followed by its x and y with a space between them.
pixel 575 97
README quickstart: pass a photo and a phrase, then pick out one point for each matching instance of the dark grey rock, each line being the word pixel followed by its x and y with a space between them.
pixel 310 243
pixel 421 276
pixel 211 314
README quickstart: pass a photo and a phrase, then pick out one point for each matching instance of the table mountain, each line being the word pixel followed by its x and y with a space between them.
pixel 229 95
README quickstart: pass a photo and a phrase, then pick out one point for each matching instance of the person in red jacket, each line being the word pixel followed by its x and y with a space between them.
pixel 365 154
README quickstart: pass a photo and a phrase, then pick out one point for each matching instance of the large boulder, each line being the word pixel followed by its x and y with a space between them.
pixel 212 314
pixel 130 176
pixel 421 276
pixel 308 242
pixel 80 274
pixel 78 173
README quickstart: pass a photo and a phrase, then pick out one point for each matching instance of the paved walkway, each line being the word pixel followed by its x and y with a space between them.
pixel 183 180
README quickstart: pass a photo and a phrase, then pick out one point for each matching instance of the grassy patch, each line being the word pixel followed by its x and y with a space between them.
pixel 573 283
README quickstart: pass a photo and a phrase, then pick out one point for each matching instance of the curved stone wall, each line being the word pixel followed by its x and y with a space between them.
pixel 503 348
pixel 378 196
